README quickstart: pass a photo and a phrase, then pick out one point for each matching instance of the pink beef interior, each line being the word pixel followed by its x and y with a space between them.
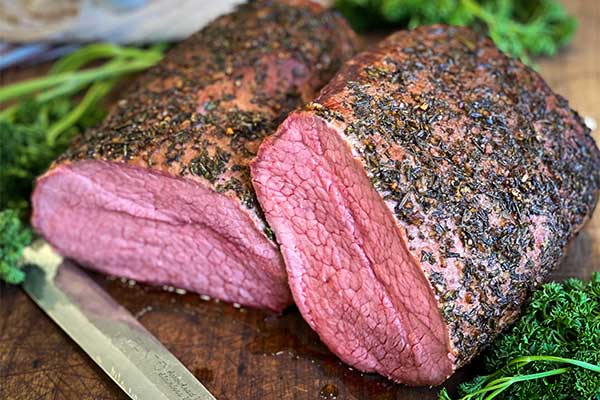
pixel 350 272
pixel 152 227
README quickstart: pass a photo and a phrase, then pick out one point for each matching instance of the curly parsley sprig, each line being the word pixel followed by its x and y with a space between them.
pixel 551 353
pixel 13 238
pixel 520 28
pixel 54 108
pixel 49 112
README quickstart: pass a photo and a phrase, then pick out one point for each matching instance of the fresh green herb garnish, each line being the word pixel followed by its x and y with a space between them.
pixel 13 238
pixel 49 112
pixel 519 28
pixel 551 353
pixel 31 140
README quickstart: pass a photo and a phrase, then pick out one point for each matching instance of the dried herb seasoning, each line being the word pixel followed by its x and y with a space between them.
pixel 487 170
pixel 204 110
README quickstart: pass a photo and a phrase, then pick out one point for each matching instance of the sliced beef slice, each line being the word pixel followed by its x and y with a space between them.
pixel 433 184
pixel 160 192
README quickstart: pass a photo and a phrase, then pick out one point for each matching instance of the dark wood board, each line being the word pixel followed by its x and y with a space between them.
pixel 250 354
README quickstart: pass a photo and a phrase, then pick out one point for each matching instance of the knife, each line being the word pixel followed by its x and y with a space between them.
pixel 105 330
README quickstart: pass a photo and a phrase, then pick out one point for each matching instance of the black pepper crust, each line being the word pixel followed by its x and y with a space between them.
pixel 489 173
pixel 204 110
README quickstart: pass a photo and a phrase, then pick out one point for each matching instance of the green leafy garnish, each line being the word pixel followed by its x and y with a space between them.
pixel 13 238
pixel 50 111
pixel 519 28
pixel 551 353
pixel 31 140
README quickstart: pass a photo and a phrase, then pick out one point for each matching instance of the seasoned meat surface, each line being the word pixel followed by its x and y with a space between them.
pixel 205 109
pixel 465 167
pixel 169 165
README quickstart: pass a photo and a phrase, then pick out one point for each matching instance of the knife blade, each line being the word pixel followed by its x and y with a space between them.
pixel 134 359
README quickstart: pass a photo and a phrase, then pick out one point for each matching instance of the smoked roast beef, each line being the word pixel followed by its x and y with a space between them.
pixel 418 201
pixel 160 192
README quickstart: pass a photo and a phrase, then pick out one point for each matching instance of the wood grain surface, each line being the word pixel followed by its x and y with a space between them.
pixel 249 354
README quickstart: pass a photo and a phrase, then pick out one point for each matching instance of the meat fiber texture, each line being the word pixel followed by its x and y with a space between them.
pixel 160 192
pixel 418 201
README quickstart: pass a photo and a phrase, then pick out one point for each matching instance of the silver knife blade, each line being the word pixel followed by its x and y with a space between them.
pixel 105 330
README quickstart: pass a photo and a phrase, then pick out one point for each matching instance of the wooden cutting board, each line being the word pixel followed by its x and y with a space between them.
pixel 249 354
